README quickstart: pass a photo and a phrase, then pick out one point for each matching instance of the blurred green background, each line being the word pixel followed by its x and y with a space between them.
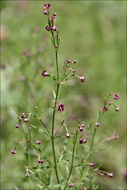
pixel 91 32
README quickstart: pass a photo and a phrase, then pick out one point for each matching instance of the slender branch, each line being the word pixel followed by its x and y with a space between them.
pixel 72 161
pixel 91 148
pixel 94 133
pixel 53 120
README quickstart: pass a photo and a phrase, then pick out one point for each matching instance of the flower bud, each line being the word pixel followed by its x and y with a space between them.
pixel 91 164
pixel 110 175
pixel 82 79
pixel 48 28
pixel 105 108
pixel 45 12
pixel 68 135
pixel 13 151
pixel 38 142
pixel 40 161
pixel 117 109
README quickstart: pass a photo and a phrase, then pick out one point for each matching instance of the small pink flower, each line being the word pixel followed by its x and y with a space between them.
pixel 115 136
pixel 73 70
pixel 110 175
pixel 54 28
pixel 80 128
pixel 117 109
pixel 68 61
pixel 54 14
pixel 91 164
pixel 26 119
pixel 13 151
pixel 22 115
pixel 81 141
pixel 38 142
pixel 109 103
pixel 68 135
pixel 45 12
pixel 48 28
pixel 61 107
pixel 17 126
pixel 85 188
pixel 82 79
pixel 75 61
pixel 83 125
pixel 52 18
pixel 44 73
pixel 116 96
pixel 35 107
pixel 27 175
pixel 40 161
pixel 97 124
pixel 70 185
pixel 47 5
pixel 105 108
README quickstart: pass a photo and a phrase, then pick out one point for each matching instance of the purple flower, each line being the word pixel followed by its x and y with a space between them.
pixel 40 161
pixel 91 164
pixel 48 28
pixel 82 79
pixel 116 96
pixel 117 109
pixel 105 108
pixel 75 61
pixel 70 185
pixel 22 115
pixel 97 124
pixel 27 175
pixel 52 18
pixel 38 142
pixel 45 12
pixel 61 107
pixel 68 135
pixel 54 28
pixel 80 128
pixel 54 14
pixel 26 119
pixel 17 126
pixel 35 107
pixel 68 61
pixel 47 5
pixel 44 73
pixel 110 175
pixel 115 136
pixel 81 141
pixel 109 103
pixel 73 70
pixel 13 151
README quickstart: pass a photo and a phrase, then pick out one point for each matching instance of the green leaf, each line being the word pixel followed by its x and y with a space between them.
pixel 37 148
pixel 54 94
pixel 33 126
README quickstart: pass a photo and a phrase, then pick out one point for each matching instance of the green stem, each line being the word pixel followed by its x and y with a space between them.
pixel 94 133
pixel 57 68
pixel 53 120
pixel 72 161
pixel 91 148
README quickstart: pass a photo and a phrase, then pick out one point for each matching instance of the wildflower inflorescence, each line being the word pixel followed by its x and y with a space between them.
pixel 82 136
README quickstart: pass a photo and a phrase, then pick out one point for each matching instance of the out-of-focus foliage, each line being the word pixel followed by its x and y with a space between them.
pixel 91 32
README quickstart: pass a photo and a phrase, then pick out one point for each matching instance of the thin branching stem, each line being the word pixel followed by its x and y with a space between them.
pixel 53 120
pixel 72 161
